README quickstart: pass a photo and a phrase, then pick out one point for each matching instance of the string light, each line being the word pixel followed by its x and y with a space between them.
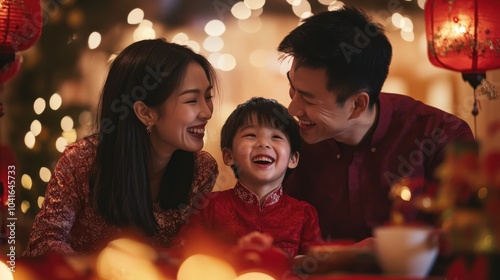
pixel 26 181
pixel 213 44
pixel 25 206
pixel 55 101
pixel 241 11
pixel 94 40
pixel 39 105
pixel 44 174
pixel 29 140
pixel 36 127
pixel 135 16
pixel 215 28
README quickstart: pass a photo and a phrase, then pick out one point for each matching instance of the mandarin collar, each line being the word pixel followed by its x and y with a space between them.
pixel 251 198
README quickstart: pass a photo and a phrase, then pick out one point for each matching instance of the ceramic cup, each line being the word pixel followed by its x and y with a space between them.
pixel 408 251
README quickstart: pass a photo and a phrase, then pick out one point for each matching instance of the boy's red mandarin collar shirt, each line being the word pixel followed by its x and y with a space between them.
pixel 249 197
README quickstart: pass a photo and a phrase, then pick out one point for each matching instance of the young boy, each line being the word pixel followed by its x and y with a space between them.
pixel 260 141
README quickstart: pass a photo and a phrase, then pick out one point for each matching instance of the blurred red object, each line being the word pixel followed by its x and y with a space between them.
pixel 463 35
pixel 10 63
pixel 20 24
pixel 469 268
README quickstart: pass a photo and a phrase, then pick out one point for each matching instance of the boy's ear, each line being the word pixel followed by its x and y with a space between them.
pixel 227 156
pixel 294 160
pixel 145 114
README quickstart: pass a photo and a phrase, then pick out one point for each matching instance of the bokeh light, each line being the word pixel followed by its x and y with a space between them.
pixel 94 40
pixel 226 62
pixel 127 259
pixel 213 44
pixel 29 140
pixel 241 11
pixel 61 144
pixel 215 28
pixel 144 31
pixel 67 123
pixel 5 273
pixel 39 105
pixel 44 174
pixel 302 10
pixel 180 38
pixel 36 127
pixel 55 101
pixel 26 181
pixel 254 276
pixel 205 267
pixel 25 206
pixel 39 201
pixel 254 4
pixel 70 136
pixel 135 16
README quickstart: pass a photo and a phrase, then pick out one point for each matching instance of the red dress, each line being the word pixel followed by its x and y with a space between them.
pixel 232 214
pixel 68 224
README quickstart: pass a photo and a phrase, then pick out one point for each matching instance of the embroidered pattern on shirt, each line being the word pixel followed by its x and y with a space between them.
pixel 249 197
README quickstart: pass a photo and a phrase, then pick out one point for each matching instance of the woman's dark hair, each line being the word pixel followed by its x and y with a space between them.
pixel 354 51
pixel 149 71
pixel 267 112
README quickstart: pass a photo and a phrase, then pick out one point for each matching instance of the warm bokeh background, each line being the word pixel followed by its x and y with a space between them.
pixel 50 102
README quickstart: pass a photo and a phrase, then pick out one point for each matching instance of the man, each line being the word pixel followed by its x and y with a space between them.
pixel 357 141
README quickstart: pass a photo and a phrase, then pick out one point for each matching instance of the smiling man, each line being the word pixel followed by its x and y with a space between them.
pixel 357 141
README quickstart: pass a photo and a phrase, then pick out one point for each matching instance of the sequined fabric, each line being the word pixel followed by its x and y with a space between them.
pixel 232 214
pixel 68 224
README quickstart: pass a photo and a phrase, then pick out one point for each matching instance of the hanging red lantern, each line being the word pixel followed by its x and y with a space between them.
pixel 463 35
pixel 9 66
pixel 20 24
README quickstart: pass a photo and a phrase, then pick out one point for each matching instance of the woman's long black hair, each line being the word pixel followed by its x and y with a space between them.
pixel 150 71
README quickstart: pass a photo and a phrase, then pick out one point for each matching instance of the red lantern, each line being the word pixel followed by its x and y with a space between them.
pixel 463 35
pixel 9 66
pixel 20 24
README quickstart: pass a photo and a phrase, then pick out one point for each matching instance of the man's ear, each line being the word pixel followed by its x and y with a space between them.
pixel 359 104
pixel 294 160
pixel 227 156
pixel 145 114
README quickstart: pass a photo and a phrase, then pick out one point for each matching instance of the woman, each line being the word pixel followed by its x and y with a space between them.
pixel 144 168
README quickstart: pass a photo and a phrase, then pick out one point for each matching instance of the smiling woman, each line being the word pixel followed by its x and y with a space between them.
pixel 143 168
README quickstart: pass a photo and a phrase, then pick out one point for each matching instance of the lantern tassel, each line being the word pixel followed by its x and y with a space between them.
pixel 481 87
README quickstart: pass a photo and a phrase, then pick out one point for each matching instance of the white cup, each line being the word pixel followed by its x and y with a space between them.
pixel 408 251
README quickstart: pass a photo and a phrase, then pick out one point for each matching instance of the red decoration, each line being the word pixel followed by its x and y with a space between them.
pixel 20 24
pixel 11 68
pixel 463 35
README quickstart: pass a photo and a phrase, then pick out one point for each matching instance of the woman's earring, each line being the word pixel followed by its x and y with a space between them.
pixel 148 128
